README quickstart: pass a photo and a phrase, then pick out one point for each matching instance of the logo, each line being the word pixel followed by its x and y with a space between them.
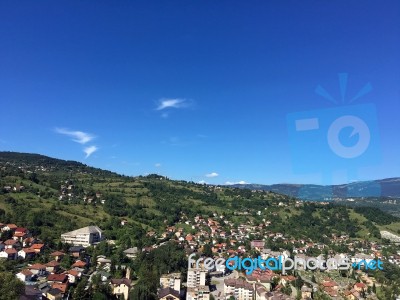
pixel 341 138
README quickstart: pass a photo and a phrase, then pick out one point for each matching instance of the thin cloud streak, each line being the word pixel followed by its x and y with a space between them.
pixel 212 175
pixel 77 136
pixel 171 103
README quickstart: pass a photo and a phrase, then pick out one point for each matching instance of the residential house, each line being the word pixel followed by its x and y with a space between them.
pixel 25 275
pixel 359 287
pixel 121 287
pixel 54 294
pixel 27 253
pixel 168 294
pixel 39 248
pixel 53 266
pixel 131 252
pixel 38 269
pixel 12 244
pixel 63 287
pixel 79 264
pixel 57 255
pixel 73 276
pixel 9 253
pixel 9 227
pixel 76 251
pixel 60 278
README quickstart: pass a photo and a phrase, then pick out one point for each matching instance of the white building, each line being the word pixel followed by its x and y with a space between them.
pixel 85 237
pixel 172 280
pixel 196 277
pixel 239 289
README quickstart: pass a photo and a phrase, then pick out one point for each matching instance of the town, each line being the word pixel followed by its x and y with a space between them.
pixel 44 271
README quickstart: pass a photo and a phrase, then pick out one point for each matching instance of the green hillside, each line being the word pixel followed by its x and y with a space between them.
pixel 52 196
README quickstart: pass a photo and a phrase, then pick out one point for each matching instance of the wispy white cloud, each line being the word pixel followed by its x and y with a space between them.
pixel 212 175
pixel 90 150
pixel 171 103
pixel 157 165
pixel 202 182
pixel 238 182
pixel 77 136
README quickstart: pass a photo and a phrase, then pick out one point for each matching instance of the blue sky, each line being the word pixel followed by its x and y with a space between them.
pixel 200 90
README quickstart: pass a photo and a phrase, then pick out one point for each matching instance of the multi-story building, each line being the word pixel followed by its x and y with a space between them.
pixel 196 277
pixel 85 237
pixel 240 289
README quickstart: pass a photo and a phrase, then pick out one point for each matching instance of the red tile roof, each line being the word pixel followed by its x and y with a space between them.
pixel 61 286
pixel 73 273
pixel 53 264
pixel 57 277
pixel 26 272
pixel 29 250
pixel 79 264
pixel 10 251
pixel 10 242
pixel 37 267
pixel 37 246
pixel 57 253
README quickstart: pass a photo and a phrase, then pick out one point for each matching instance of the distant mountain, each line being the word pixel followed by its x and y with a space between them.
pixel 389 187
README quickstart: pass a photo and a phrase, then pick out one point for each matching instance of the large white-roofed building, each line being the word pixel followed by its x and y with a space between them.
pixel 85 237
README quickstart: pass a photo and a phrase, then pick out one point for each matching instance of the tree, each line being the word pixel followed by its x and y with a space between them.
pixel 10 287
pixel 66 262
pixel 298 296
pixel 287 289
pixel 80 292
pixel 207 250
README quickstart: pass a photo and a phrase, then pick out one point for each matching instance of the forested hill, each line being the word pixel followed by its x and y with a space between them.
pixel 51 196
pixel 30 162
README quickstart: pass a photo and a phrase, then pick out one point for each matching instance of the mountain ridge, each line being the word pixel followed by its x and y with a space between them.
pixel 387 187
